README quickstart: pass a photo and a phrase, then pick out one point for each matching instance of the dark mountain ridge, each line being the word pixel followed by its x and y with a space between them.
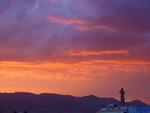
pixel 55 103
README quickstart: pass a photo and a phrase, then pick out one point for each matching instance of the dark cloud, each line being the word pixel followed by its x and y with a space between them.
pixel 26 33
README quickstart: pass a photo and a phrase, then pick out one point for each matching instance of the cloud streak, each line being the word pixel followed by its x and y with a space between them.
pixel 88 53
pixel 81 24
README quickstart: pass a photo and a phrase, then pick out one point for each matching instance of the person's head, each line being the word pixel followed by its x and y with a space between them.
pixel 121 89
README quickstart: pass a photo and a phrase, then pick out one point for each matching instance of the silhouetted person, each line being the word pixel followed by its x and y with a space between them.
pixel 122 96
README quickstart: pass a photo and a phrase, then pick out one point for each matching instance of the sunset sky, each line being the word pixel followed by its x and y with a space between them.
pixel 76 47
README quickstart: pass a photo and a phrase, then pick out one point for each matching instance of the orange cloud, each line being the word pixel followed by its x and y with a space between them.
pixel 91 52
pixel 78 71
pixel 11 69
pixel 66 20
pixel 80 23
pixel 118 61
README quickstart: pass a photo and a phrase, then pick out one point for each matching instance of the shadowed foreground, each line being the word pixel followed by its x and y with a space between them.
pixel 54 103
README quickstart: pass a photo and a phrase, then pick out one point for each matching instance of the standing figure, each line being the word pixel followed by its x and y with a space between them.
pixel 122 96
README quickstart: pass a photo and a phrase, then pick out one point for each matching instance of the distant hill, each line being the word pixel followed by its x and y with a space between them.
pixel 54 103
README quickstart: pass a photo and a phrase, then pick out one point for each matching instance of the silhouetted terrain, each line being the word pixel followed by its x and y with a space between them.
pixel 54 103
